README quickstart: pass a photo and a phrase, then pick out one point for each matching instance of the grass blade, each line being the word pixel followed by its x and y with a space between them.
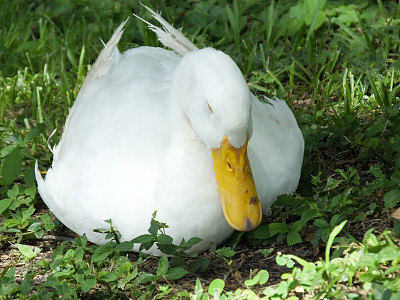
pixel 375 92
pixel 331 238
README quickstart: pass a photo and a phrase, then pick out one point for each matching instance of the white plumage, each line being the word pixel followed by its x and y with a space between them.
pixel 139 137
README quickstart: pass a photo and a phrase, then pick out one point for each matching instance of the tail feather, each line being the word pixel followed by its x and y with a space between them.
pixel 107 56
pixel 168 35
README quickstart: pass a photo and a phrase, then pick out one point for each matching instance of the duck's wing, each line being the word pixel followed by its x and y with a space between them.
pixel 275 150
pixel 114 139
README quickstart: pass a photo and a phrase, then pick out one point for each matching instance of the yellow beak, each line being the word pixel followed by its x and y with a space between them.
pixel 237 190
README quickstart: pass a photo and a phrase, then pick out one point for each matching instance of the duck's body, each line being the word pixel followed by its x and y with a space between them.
pixel 130 149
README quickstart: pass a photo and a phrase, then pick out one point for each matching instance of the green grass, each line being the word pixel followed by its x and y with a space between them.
pixel 337 64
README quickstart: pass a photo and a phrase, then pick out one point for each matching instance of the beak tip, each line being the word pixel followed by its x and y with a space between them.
pixel 248 225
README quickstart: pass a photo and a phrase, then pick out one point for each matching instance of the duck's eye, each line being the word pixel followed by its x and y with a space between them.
pixel 209 107
pixel 228 164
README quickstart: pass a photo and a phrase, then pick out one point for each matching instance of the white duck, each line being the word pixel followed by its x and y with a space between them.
pixel 155 131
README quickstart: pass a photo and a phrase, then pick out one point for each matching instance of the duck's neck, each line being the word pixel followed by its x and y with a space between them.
pixel 182 129
pixel 186 189
pixel 186 155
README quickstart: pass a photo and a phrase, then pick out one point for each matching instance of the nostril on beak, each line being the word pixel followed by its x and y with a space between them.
pixel 248 225
pixel 254 200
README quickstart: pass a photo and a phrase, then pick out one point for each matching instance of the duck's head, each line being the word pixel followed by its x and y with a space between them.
pixel 214 96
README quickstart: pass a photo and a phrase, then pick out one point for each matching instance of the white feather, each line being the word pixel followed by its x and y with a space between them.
pixel 168 35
